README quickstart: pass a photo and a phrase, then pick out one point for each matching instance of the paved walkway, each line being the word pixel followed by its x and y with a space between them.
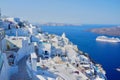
pixel 22 71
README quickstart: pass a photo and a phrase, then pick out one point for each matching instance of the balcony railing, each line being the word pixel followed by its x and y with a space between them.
pixel 1 62
pixel 2 34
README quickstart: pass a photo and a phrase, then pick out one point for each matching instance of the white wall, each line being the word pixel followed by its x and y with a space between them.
pixel 4 45
pixel 34 61
pixel 13 70
pixel 44 47
pixel 4 74
pixel 25 50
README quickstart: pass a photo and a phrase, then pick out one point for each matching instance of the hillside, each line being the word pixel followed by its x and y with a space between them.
pixel 113 31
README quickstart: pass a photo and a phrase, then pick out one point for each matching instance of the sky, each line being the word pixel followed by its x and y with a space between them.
pixel 64 11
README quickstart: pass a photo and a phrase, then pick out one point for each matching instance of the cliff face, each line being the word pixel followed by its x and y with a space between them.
pixel 113 31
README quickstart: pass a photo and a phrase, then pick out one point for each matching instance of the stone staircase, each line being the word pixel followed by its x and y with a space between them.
pixel 22 71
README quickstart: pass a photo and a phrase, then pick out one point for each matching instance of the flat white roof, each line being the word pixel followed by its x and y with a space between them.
pixel 33 55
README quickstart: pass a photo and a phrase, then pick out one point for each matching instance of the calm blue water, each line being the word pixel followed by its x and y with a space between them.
pixel 107 54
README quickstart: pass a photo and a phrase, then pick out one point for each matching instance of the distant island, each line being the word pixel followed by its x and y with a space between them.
pixel 111 31
pixel 58 24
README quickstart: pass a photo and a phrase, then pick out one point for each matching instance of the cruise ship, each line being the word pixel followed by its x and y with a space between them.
pixel 107 39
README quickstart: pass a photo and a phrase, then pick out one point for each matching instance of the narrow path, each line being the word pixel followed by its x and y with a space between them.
pixel 22 71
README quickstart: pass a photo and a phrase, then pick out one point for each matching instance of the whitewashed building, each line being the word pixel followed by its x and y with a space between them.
pixel 4 67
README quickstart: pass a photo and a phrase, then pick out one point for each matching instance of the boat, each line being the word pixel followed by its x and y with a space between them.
pixel 107 39
pixel 118 69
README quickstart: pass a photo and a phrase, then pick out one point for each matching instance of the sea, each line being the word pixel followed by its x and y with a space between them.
pixel 104 53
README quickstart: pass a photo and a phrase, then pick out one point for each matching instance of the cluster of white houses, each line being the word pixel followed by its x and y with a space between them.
pixel 50 57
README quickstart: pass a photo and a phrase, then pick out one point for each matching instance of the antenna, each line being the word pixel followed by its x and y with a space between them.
pixel 0 13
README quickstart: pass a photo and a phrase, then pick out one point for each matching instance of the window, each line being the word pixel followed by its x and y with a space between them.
pixel 46 53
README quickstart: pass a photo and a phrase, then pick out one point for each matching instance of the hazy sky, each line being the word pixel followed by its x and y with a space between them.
pixel 64 11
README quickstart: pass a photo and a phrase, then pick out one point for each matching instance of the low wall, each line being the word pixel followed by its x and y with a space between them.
pixel 13 70
pixel 24 51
